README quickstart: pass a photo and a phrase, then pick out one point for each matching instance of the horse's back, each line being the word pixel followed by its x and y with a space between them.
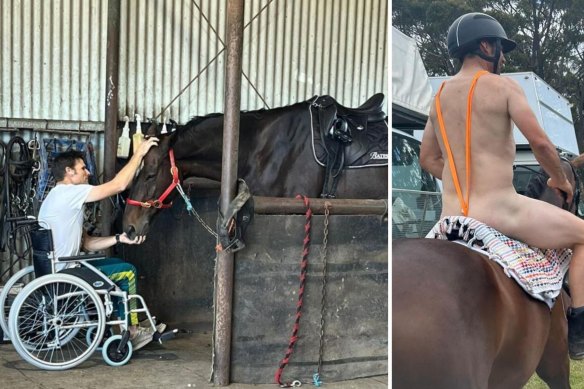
pixel 453 318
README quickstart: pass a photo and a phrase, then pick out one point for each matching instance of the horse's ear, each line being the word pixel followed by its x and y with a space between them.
pixel 166 141
pixel 578 162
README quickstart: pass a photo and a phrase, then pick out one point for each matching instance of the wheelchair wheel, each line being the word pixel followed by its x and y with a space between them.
pixel 110 353
pixel 50 319
pixel 9 292
pixel 108 333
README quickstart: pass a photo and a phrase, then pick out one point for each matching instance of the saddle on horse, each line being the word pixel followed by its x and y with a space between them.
pixel 345 137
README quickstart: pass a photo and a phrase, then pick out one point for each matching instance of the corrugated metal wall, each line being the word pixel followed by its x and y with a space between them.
pixel 53 55
pixel 53 59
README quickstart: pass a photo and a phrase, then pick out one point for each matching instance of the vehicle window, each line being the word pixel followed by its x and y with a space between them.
pixel 406 172
pixel 521 178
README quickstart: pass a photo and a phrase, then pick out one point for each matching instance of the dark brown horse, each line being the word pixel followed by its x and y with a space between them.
pixel 277 155
pixel 460 322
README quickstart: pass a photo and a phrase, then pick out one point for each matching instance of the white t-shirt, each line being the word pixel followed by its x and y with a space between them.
pixel 62 210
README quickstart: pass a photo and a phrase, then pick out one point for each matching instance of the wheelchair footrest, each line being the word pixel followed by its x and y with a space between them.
pixel 124 341
pixel 165 335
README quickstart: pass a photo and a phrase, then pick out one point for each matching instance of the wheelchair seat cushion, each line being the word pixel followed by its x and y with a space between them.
pixel 89 276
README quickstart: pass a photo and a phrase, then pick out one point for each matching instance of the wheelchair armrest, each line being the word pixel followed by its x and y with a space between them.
pixel 83 257
pixel 22 220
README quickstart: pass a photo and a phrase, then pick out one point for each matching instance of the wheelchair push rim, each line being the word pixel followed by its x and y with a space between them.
pixel 7 298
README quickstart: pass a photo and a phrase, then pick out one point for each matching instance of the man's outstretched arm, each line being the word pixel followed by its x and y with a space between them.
pixel 99 243
pixel 543 149
pixel 124 177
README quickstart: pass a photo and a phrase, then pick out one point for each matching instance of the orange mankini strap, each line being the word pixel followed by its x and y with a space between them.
pixel 463 204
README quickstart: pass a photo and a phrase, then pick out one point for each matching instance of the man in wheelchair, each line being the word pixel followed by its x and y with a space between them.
pixel 63 211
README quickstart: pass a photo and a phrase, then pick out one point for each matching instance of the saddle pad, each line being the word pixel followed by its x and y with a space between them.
pixel 539 272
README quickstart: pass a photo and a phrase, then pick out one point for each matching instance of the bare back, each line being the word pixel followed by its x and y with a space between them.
pixel 492 144
pixel 493 199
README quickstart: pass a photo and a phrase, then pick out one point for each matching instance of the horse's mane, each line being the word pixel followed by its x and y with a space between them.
pixel 195 120
pixel 538 182
pixel 198 119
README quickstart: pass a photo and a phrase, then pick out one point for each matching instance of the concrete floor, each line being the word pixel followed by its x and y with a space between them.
pixel 183 362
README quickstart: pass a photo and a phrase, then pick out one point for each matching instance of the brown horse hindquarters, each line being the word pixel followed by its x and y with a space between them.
pixel 459 321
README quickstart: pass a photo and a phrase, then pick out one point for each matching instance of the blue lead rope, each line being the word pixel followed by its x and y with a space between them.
pixel 316 380
pixel 185 198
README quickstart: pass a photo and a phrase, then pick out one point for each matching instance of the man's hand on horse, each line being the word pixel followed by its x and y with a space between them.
pixel 146 145
pixel 563 189
pixel 139 239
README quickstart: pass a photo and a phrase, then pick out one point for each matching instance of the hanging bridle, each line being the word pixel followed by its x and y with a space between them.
pixel 159 203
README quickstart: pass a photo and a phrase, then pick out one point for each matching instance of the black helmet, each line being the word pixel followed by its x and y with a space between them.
pixel 468 30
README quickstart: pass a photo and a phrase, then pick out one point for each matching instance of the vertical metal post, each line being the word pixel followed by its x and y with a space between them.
pixel 224 268
pixel 111 106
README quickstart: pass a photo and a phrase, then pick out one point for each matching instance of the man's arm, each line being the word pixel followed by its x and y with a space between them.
pixel 99 243
pixel 430 154
pixel 542 147
pixel 124 177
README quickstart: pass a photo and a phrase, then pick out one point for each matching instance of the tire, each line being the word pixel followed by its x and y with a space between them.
pixel 108 333
pixel 110 354
pixel 50 318
pixel 7 299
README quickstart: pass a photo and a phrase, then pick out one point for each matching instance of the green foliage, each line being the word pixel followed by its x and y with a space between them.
pixel 549 36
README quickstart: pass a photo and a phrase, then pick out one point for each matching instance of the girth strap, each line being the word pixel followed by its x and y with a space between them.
pixel 464 204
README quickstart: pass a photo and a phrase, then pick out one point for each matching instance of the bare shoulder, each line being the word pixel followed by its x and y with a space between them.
pixel 497 79
pixel 504 88
pixel 506 83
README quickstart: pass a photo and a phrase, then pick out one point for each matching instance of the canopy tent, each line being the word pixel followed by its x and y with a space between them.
pixel 411 89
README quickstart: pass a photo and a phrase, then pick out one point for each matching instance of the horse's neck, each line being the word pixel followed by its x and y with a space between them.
pixel 189 168
pixel 198 148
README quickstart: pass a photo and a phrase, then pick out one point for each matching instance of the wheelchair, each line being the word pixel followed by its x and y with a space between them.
pixel 61 317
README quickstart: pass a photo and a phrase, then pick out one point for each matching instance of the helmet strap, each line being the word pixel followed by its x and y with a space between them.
pixel 494 59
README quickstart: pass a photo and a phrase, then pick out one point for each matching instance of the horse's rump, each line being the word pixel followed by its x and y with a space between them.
pixel 450 317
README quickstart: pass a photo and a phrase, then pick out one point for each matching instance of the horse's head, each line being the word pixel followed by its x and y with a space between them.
pixel 539 189
pixel 154 179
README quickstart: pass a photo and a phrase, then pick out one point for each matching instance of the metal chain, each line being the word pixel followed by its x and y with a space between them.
pixel 323 255
pixel 207 227
pixel 191 210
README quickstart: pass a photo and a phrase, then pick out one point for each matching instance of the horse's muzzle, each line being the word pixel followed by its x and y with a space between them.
pixel 136 229
pixel 131 232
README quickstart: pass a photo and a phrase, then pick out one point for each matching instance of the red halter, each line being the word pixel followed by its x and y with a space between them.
pixel 159 203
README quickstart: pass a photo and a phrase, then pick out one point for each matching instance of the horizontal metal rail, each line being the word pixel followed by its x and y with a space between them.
pixel 46 125
pixel 280 205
